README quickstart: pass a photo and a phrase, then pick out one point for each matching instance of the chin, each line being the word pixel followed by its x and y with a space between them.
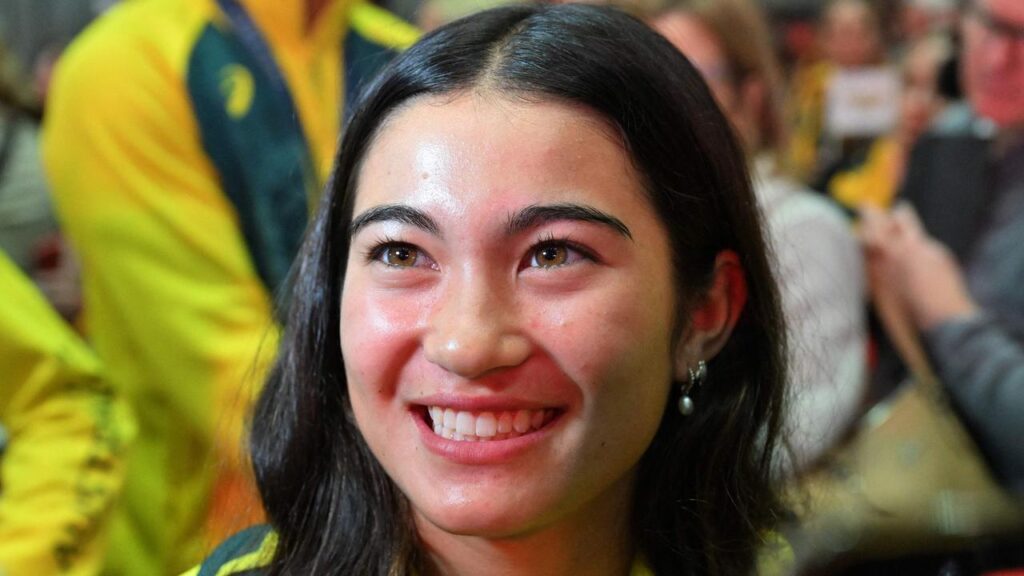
pixel 481 519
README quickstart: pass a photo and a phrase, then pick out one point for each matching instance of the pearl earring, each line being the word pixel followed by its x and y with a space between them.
pixel 697 377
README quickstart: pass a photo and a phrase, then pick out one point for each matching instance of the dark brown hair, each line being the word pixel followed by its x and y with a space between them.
pixel 704 497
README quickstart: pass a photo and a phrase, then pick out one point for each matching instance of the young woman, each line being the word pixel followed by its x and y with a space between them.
pixel 533 328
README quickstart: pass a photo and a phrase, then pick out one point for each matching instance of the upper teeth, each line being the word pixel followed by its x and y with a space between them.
pixel 467 426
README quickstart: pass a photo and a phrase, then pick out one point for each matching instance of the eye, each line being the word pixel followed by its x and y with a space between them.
pixel 556 253
pixel 398 255
pixel 549 256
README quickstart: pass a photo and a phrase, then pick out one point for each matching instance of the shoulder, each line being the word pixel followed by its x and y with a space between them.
pixel 787 204
pixel 813 239
pixel 247 553
pixel 121 86
pixel 135 33
pixel 130 61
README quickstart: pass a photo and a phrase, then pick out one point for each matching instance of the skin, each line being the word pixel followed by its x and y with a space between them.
pixel 742 105
pixel 472 315
pixel 993 61
pixel 919 271
pixel 920 101
pixel 850 35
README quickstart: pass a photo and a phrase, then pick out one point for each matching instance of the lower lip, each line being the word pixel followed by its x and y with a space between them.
pixel 486 451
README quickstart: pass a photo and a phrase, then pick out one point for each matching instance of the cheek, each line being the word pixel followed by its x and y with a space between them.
pixel 378 333
pixel 617 351
pixel 615 344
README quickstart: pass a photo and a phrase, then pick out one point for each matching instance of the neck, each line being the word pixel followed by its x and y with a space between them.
pixel 594 542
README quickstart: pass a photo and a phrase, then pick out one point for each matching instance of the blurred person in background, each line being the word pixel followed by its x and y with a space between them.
pixel 876 180
pixel 63 434
pixel 818 262
pixel 850 38
pixel 186 141
pixel 26 214
pixel 28 227
pixel 919 19
pixel 851 34
pixel 959 271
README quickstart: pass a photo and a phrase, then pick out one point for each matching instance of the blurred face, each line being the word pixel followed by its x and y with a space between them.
pixel 507 315
pixel 850 35
pixel 700 45
pixel 993 62
pixel 915 22
pixel 920 100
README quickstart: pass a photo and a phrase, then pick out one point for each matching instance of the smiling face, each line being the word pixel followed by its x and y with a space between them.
pixel 507 314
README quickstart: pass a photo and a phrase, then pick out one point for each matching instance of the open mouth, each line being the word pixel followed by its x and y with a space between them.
pixel 465 426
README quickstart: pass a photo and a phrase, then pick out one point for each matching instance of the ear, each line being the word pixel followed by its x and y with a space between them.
pixel 714 317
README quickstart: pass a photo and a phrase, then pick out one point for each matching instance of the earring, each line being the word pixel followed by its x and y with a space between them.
pixel 697 377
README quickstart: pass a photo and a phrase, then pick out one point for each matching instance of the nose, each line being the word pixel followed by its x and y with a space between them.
pixel 475 329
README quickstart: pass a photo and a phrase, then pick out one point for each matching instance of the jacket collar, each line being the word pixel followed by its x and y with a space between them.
pixel 283 22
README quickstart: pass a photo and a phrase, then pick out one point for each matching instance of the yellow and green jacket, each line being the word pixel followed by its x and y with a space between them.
pixel 184 185
pixel 249 552
pixel 65 430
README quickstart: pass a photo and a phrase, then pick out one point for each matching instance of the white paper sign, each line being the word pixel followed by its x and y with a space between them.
pixel 862 103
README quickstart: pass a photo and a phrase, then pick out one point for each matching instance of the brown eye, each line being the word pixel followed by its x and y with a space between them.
pixel 400 256
pixel 550 256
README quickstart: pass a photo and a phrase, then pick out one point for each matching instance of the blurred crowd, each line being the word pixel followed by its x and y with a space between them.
pixel 159 160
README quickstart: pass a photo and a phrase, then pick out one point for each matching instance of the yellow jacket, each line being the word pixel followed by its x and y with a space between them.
pixel 66 433
pixel 874 181
pixel 183 185
pixel 805 112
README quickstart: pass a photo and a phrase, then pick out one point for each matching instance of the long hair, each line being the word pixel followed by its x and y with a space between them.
pixel 704 498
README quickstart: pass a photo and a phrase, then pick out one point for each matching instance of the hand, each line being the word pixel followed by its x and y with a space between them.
pixel 917 270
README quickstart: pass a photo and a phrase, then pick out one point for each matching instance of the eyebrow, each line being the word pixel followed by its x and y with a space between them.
pixel 518 222
pixel 395 213
pixel 538 214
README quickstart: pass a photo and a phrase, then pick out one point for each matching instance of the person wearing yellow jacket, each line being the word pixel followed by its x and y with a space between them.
pixel 186 142
pixel 63 433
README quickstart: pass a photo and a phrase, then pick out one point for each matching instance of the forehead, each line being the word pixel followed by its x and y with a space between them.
pixel 482 152
pixel 1010 11
pixel 691 37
